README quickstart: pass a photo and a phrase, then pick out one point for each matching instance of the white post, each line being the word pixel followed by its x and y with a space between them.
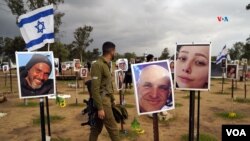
pixel 48 46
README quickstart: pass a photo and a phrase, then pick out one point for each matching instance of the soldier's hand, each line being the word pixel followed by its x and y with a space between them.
pixel 114 103
pixel 101 114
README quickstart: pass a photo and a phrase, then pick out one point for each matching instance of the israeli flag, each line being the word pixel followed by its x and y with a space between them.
pixel 37 27
pixel 222 55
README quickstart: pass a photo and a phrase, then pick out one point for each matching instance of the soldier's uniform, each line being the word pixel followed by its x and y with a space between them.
pixel 102 93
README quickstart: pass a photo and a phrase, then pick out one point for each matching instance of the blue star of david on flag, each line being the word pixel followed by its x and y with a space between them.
pixel 40 27
pixel 37 27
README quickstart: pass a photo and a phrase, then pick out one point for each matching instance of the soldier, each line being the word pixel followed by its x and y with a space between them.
pixel 102 93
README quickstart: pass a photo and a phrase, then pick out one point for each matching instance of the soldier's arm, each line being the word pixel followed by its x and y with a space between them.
pixel 95 85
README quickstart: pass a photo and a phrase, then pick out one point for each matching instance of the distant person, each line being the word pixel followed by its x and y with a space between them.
pixel 192 67
pixel 34 77
pixel 88 66
pixel 150 58
pixel 128 78
pixel 60 67
pixel 153 88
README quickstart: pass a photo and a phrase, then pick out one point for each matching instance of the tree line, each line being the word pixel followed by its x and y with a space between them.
pixel 82 38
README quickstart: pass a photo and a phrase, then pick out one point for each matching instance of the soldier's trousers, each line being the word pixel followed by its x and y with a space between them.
pixel 109 123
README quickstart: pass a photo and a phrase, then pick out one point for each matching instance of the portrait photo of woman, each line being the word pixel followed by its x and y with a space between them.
pixel 119 78
pixel 172 66
pixel 232 71
pixel 192 67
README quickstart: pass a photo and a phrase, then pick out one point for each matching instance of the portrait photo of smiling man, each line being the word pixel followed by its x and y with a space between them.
pixel 192 67
pixel 153 87
pixel 36 77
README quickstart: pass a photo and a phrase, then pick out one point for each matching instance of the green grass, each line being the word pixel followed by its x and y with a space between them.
pixel 76 105
pixel 203 137
pixel 30 104
pixel 178 105
pixel 53 119
pixel 129 105
pixel 242 100
pixel 225 115
pixel 60 139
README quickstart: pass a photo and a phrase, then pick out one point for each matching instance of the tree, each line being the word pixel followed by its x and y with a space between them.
pixel 236 51
pixel 118 56
pixel 213 58
pixel 164 54
pixel 91 56
pixel 129 55
pixel 246 49
pixel 18 8
pixel 12 45
pixel 96 53
pixel 60 51
pixel 82 40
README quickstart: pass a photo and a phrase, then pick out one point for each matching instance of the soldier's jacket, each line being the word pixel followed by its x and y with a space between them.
pixel 101 84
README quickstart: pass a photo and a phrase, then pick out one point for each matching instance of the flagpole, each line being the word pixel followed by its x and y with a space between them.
pixel 48 46
pixel 47 107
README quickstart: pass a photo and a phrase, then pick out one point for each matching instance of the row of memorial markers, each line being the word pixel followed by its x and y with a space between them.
pixel 152 80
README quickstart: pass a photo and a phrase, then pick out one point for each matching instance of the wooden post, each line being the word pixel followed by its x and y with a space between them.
pixel 223 79
pixel 232 95
pixel 155 127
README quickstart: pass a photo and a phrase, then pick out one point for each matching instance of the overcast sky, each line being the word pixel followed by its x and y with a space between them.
pixel 149 25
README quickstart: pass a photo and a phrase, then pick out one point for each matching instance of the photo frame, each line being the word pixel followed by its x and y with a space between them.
pixel 172 66
pixel 57 72
pixel 244 60
pixel 64 67
pixel 36 74
pixel 119 78
pixel 147 77
pixel 56 60
pixel 5 68
pixel 232 71
pixel 122 64
pixel 193 66
pixel 84 72
pixel 77 65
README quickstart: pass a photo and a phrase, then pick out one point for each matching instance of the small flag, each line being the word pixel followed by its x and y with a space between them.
pixel 37 27
pixel 222 55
